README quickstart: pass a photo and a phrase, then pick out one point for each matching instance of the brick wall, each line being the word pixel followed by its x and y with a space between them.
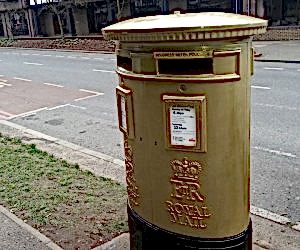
pixel 280 34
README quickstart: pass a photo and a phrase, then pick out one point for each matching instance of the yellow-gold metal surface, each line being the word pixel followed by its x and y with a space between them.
pixel 132 188
pixel 221 103
pixel 186 204
pixel 200 65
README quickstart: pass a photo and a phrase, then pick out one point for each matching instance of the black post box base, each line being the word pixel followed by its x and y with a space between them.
pixel 146 236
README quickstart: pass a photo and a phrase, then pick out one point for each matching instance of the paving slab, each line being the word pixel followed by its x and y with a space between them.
pixel 14 237
pixel 271 235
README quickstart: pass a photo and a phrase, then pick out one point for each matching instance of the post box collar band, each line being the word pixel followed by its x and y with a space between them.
pixel 185 27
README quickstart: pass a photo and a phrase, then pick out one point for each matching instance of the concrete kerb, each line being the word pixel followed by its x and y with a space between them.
pixel 49 243
pixel 111 168
pixel 120 242
pixel 62 50
pixel 265 214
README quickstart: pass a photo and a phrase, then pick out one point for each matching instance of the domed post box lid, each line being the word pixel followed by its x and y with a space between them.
pixel 185 27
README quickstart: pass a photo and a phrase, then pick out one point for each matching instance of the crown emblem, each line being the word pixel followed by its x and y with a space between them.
pixel 186 170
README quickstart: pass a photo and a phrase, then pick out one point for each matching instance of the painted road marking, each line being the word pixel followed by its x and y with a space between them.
pixel 92 92
pixel 28 96
pixel 75 106
pixel 33 112
pixel 0 60
pixel 259 87
pixel 72 57
pixel 4 84
pixel 260 45
pixel 277 152
pixel 30 63
pixel 22 79
pixel 2 117
pixel 54 85
pixel 35 54
pixel 276 106
pixel 104 71
pixel 113 59
pixel 267 68
pixel 5 113
pixel 269 215
pixel 57 107
pixel 60 56
pixel 88 97
pixel 84 98
pixel 15 53
pixel 298 69
pixel 86 58
pixel 97 58
pixel 47 55
pixel 25 54
pixel 1 75
pixel 66 105
pixel 3 80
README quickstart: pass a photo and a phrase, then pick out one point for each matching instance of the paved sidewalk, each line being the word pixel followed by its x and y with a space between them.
pixel 15 234
pixel 13 237
pixel 278 51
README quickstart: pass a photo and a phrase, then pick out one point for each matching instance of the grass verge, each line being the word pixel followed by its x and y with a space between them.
pixel 74 208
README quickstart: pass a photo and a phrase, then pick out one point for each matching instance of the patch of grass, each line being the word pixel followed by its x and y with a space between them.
pixel 53 195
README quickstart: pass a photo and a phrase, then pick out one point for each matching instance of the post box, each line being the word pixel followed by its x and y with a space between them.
pixel 184 108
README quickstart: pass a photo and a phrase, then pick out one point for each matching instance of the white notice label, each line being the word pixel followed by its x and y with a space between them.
pixel 183 125
pixel 123 113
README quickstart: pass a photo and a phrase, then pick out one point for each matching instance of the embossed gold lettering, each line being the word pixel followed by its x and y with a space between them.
pixel 188 190
pixel 171 210
pixel 132 189
pixel 184 207
pixel 190 215
pixel 199 223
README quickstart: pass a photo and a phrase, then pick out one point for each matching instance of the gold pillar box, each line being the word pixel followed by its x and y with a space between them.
pixel 184 109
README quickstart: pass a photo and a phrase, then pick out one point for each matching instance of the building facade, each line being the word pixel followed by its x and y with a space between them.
pixel 34 18
pixel 15 18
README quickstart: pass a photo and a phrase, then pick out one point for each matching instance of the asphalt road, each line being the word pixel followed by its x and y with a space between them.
pixel 275 144
pixel 71 96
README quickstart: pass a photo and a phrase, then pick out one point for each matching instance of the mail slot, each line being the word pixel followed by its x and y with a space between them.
pixel 184 109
